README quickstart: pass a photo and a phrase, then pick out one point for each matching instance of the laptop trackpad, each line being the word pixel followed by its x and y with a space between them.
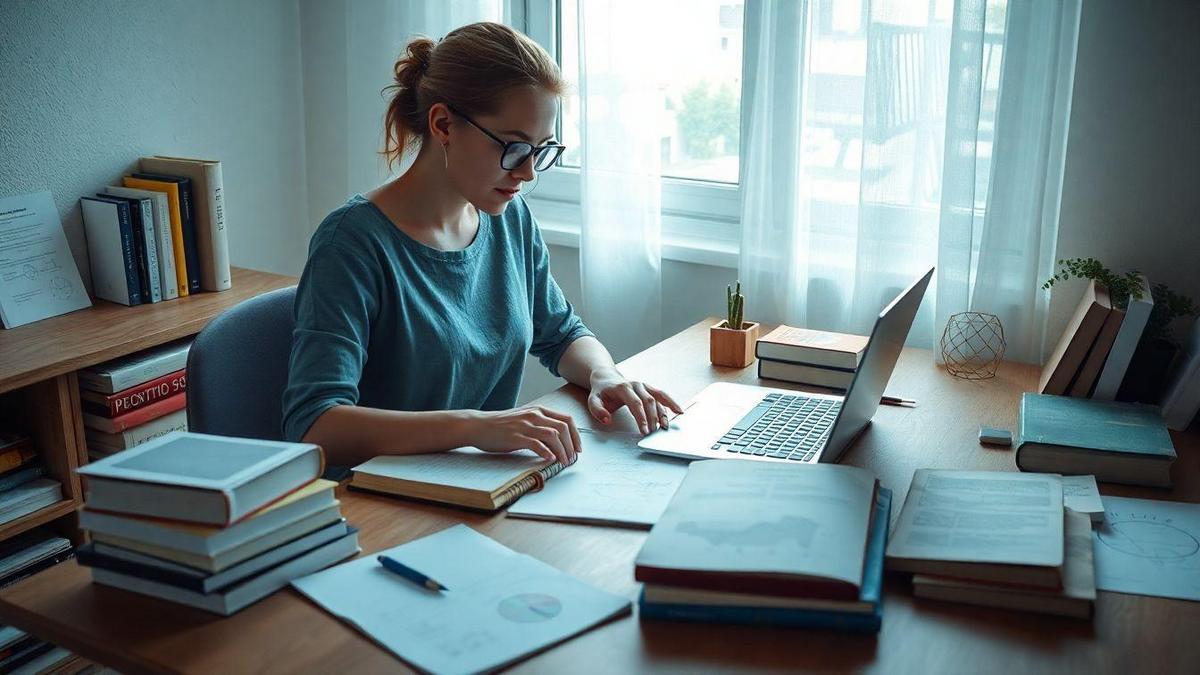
pixel 697 428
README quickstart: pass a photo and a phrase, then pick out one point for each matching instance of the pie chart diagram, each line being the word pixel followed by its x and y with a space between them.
pixel 1149 539
pixel 529 607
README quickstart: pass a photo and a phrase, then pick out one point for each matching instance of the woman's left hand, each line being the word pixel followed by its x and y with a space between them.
pixel 611 392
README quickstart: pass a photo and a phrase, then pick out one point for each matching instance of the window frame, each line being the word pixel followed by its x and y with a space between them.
pixel 701 220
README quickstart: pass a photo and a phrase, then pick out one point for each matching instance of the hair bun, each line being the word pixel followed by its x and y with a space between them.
pixel 420 55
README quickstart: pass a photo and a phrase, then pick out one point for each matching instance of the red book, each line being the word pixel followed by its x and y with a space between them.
pixel 135 397
pixel 115 425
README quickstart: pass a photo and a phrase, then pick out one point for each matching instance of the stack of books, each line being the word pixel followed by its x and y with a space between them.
pixel 766 543
pixel 136 398
pixel 213 522
pixel 23 489
pixel 1094 352
pixel 812 357
pixel 999 539
pixel 160 235
pixel 21 556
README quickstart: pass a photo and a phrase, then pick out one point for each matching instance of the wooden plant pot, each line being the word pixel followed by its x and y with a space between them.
pixel 733 348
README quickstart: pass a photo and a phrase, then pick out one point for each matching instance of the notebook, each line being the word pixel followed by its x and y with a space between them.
pixel 462 477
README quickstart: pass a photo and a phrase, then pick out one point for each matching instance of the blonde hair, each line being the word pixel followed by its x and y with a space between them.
pixel 469 69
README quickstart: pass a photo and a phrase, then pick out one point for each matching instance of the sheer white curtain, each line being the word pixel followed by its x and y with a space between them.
pixel 376 33
pixel 884 137
pixel 620 233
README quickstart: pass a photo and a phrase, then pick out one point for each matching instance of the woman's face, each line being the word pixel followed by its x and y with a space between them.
pixel 525 114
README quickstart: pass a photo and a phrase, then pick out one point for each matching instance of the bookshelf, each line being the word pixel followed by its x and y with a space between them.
pixel 39 389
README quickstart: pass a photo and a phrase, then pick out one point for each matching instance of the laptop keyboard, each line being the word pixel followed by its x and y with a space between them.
pixel 783 426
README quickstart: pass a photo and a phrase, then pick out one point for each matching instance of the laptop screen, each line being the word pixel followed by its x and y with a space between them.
pixel 878 362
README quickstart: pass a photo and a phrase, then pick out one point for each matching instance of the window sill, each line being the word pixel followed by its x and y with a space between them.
pixel 682 249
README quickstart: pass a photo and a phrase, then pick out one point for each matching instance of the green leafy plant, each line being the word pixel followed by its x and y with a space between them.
pixel 735 302
pixel 1121 287
pixel 1168 305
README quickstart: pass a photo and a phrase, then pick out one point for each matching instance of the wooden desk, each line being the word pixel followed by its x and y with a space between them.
pixel 285 633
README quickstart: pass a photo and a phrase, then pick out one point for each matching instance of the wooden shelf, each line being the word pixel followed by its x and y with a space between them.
pixel 106 330
pixel 39 387
pixel 40 517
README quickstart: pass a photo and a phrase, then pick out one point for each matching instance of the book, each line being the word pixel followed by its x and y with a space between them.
pixel 813 347
pixel 111 250
pixel 43 280
pixel 29 548
pixel 462 477
pixel 131 438
pixel 116 559
pixel 1137 314
pixel 247 592
pixel 201 478
pixel 1116 442
pixel 752 527
pixel 164 246
pixel 25 499
pixel 141 215
pixel 21 475
pixel 36 566
pixel 129 420
pixel 1076 599
pixel 863 614
pixel 1182 400
pixel 135 397
pixel 187 221
pixel 178 242
pixel 800 373
pixel 137 368
pixel 1076 340
pixel 1085 380
pixel 209 540
pixel 996 526
pixel 209 193
pixel 17 455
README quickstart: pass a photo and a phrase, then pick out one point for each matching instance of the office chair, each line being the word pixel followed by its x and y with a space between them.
pixel 237 368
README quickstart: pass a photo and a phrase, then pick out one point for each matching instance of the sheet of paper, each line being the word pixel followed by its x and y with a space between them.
pixel 982 516
pixel 612 481
pixel 500 605
pixel 1081 495
pixel 467 468
pixel 38 277
pixel 1149 547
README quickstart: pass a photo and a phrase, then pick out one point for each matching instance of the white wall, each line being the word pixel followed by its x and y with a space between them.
pixel 1131 193
pixel 88 87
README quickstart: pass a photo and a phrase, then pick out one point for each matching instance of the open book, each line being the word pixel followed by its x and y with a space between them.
pixel 463 477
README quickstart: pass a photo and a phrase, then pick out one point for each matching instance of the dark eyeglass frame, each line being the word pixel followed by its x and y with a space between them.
pixel 538 152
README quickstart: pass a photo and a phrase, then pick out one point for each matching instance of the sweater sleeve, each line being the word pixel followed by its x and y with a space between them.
pixel 336 302
pixel 555 323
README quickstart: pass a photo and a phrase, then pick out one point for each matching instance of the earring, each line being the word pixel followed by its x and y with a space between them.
pixel 446 157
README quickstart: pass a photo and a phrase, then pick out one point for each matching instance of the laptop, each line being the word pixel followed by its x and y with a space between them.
pixel 737 421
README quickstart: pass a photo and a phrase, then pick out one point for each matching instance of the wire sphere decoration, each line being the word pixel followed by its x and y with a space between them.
pixel 973 345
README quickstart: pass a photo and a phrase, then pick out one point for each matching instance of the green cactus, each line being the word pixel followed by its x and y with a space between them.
pixel 735 302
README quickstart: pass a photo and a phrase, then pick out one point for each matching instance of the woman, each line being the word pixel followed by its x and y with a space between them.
pixel 420 300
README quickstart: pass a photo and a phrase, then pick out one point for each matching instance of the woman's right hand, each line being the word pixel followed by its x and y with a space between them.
pixel 552 435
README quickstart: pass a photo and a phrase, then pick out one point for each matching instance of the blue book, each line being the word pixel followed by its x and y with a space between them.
pixel 1117 442
pixel 21 476
pixel 872 594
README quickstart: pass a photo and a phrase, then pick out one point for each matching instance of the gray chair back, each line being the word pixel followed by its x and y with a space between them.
pixel 237 368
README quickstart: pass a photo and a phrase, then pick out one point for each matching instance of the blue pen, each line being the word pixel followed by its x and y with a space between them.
pixel 397 567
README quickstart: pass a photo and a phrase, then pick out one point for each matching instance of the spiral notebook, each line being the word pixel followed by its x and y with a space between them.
pixel 463 477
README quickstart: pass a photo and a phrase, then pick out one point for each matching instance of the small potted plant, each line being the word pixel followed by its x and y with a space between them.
pixel 731 342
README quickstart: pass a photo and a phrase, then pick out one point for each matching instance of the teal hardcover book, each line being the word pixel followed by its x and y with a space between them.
pixel 1118 442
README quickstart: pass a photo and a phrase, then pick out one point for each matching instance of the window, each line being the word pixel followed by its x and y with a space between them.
pixel 699 128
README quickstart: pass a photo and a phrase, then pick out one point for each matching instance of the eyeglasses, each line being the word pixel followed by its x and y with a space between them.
pixel 516 153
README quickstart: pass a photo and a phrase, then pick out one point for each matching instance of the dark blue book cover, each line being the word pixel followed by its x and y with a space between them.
pixel 139 239
pixel 872 592
pixel 1111 426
